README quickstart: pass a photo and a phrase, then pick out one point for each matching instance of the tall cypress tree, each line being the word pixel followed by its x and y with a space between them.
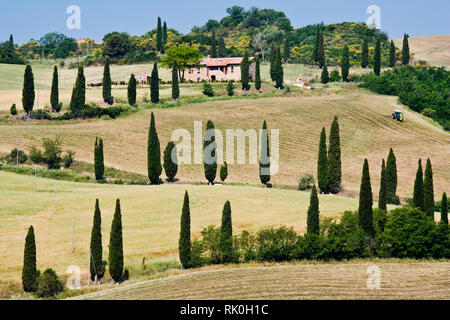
pixel 184 243
pixel 322 163
pixel 106 83
pixel 325 76
pixel 257 74
pixel 210 153
pixel 272 54
pixel 345 64
pixel 100 168
pixel 226 235
pixel 428 190
pixel 245 64
pixel 334 158
pixel 279 74
pixel 164 36
pixel 405 50
pixel 391 177
pixel 28 94
pixel 286 49
pixel 170 163
pixel 154 85
pixel 221 48
pixel 382 193
pixel 377 58
pixel 153 153
pixel 54 94
pixel 78 99
pixel 264 156
pixel 392 58
pixel 418 188
pixel 213 52
pixel 96 264
pixel 175 86
pixel 312 222
pixel 132 91
pixel 115 257
pixel 316 45
pixel 321 51
pixel 365 54
pixel 159 41
pixel 365 202
pixel 29 271
pixel 444 209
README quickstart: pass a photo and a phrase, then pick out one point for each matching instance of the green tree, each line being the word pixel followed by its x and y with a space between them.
pixel 345 64
pixel 230 88
pixel 54 95
pixel 428 190
pixel 99 163
pixel 273 54
pixel 224 172
pixel 279 74
pixel 221 48
pixel 444 209
pixel 153 153
pixel 286 49
pixel 49 284
pixel 365 202
pixel 325 76
pixel 164 36
pixel 365 54
pixel 391 177
pixel 405 50
pixel 257 74
pixel 322 164
pixel 321 51
pixel 28 93
pixel 175 86
pixel 115 257
pixel 96 264
pixel 312 222
pixel 170 161
pixel 159 41
pixel 264 156
pixel 316 45
pixel 78 99
pixel 184 243
pixel 418 188
pixel 226 235
pixel 377 58
pixel 334 158
pixel 29 272
pixel 154 85
pixel 245 64
pixel 392 58
pixel 106 83
pixel 210 153
pixel 132 90
pixel 186 57
pixel 383 191
pixel 213 52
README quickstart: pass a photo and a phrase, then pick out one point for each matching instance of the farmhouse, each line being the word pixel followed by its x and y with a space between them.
pixel 140 77
pixel 218 69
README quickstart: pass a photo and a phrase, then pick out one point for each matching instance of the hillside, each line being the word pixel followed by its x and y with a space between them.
pixel 433 49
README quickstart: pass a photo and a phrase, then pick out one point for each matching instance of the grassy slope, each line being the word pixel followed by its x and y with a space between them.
pixel 434 49
pixel 150 217
pixel 399 280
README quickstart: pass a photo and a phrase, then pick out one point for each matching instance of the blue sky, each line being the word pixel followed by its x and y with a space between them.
pixel 27 19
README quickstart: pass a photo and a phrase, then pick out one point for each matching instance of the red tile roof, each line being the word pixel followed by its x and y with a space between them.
pixel 220 62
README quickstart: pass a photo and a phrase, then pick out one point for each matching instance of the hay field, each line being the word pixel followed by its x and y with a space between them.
pixel 433 49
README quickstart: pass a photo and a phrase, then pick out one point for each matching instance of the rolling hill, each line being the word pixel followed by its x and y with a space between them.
pixel 433 49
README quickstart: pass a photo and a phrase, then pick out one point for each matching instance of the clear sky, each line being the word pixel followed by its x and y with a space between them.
pixel 27 19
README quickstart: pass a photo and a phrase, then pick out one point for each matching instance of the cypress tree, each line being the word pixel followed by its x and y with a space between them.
pixel 175 86
pixel 312 223
pixel 184 243
pixel 153 153
pixel 28 94
pixel 264 156
pixel 286 49
pixel 405 50
pixel 245 64
pixel 226 235
pixel 159 41
pixel 365 202
pixel 322 163
pixel 210 153
pixel 418 188
pixel 230 88
pixel 132 91
pixel 78 99
pixel 392 57
pixel 164 36
pixel 115 257
pixel 106 83
pixel 377 58
pixel 365 54
pixel 257 74
pixel 334 158
pixel 224 172
pixel 321 51
pixel 54 94
pixel 29 271
pixel 278 70
pixel 154 85
pixel 316 45
pixel 273 56
pixel 96 264
pixel 391 177
pixel 221 49
pixel 213 45
pixel 382 193
pixel 428 190
pixel 100 164
pixel 325 75
pixel 345 64
pixel 444 209
pixel 170 163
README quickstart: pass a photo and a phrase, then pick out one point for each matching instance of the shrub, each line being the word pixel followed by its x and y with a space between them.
pixel 211 244
pixel 49 284
pixel 306 182
pixel 208 90
pixel 52 152
pixel 230 88
pixel 197 259
pixel 224 172
pixel 36 155
pixel 68 158
pixel 16 156
pixel 276 244
pixel 428 112
pixel 334 76
pixel 13 110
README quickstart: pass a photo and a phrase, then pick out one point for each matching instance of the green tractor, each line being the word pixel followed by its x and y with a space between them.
pixel 398 115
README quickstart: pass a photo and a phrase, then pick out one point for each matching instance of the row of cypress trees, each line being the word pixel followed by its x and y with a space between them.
pixel 329 167
pixel 423 195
